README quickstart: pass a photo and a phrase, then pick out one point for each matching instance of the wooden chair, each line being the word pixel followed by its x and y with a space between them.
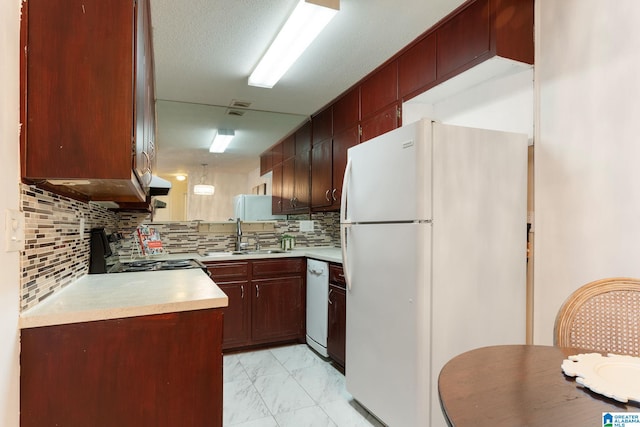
pixel 602 316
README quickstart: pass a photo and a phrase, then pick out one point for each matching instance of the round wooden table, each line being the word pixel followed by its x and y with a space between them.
pixel 519 385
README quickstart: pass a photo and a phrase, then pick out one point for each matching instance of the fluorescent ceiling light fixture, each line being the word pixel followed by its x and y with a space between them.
pixel 221 140
pixel 181 177
pixel 303 26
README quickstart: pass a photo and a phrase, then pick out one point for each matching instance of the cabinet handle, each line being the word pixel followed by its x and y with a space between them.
pixel 329 296
pixel 257 292
pixel 333 194
pixel 242 291
pixel 326 195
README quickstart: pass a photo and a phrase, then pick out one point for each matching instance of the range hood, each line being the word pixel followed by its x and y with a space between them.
pixel 159 186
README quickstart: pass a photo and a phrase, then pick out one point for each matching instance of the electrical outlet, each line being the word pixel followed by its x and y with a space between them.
pixel 14 230
pixel 306 226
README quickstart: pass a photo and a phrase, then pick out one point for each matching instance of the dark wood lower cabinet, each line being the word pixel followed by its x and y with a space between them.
pixel 237 316
pixel 266 300
pixel 278 309
pixel 337 322
pixel 336 332
pixel 158 370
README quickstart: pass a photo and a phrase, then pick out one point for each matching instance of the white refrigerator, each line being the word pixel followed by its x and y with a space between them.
pixel 253 207
pixel 433 230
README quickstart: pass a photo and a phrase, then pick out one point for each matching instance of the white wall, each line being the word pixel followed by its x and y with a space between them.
pixel 504 102
pixel 9 177
pixel 587 149
pixel 219 206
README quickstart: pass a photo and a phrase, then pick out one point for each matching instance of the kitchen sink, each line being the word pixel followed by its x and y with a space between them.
pixel 210 254
pixel 259 251
pixel 243 252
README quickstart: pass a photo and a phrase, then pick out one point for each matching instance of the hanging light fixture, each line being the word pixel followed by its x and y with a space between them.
pixel 203 189
pixel 303 26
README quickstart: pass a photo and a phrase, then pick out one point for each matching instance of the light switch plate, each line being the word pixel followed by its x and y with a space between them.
pixel 306 226
pixel 14 230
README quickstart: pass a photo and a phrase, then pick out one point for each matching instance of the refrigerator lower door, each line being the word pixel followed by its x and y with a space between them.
pixel 388 321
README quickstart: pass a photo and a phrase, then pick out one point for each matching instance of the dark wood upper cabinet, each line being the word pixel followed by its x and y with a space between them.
pixel 87 82
pixel 417 66
pixel 288 147
pixel 321 174
pixel 383 122
pixel 476 31
pixel 513 27
pixel 303 138
pixel 463 38
pixel 346 110
pixel 266 162
pixel 322 125
pixel 341 143
pixel 379 90
pixel 481 29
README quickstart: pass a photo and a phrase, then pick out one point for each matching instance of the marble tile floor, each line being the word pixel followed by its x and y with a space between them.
pixel 289 386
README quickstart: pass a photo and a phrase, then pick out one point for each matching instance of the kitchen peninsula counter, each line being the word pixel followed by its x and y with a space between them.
pixel 119 295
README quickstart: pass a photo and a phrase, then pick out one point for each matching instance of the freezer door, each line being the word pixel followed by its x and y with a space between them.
pixel 388 320
pixel 388 179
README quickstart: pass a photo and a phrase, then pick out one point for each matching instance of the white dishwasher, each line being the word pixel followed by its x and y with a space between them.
pixel 317 307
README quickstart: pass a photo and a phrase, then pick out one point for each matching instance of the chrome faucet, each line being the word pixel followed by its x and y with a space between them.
pixel 238 235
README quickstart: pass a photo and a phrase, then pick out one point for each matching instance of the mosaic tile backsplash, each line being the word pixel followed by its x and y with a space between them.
pixel 56 254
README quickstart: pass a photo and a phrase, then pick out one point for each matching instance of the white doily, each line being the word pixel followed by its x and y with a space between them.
pixel 614 376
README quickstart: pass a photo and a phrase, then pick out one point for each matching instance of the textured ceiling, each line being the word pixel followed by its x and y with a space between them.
pixel 205 50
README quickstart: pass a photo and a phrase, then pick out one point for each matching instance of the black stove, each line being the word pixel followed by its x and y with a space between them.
pixel 156 265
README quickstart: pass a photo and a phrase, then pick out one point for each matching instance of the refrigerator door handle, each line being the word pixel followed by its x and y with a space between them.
pixel 345 261
pixel 344 196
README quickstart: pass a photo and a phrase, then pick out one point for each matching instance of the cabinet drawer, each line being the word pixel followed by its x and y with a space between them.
pixel 336 275
pixel 228 270
pixel 278 267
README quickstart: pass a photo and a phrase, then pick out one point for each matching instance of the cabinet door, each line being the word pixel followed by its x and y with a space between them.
pixel 321 174
pixel 336 332
pixel 464 38
pixel 276 190
pixel 236 330
pixel 266 162
pixel 417 67
pixel 379 90
pixel 80 92
pixel 382 122
pixel 302 193
pixel 346 110
pixel 288 184
pixel 322 125
pixel 278 310
pixel 341 143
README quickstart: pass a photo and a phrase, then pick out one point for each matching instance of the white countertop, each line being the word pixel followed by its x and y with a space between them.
pixel 330 254
pixel 117 295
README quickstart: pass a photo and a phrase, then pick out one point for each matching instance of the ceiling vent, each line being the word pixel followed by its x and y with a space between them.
pixel 232 112
pixel 239 104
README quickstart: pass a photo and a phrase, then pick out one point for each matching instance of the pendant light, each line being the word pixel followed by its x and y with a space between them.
pixel 203 189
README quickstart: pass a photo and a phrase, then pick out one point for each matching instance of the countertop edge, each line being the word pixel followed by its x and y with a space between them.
pixel 27 322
